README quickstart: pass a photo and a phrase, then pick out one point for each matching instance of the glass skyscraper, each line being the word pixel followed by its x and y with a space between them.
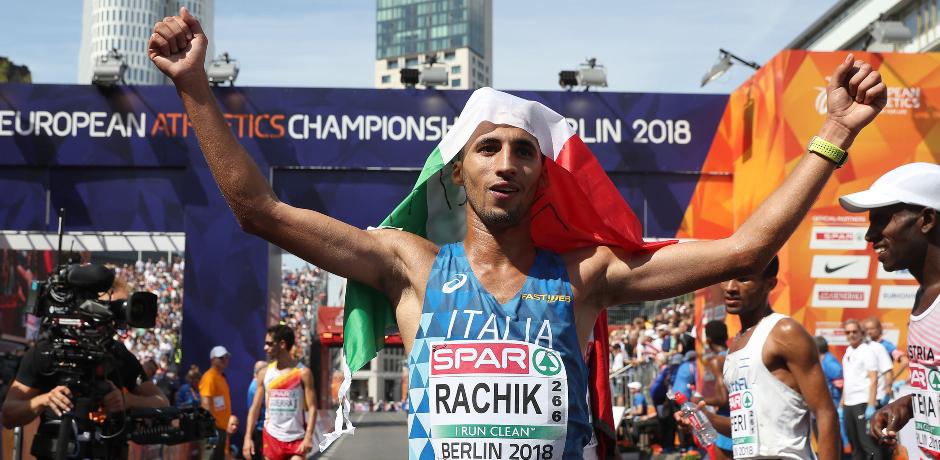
pixel 458 33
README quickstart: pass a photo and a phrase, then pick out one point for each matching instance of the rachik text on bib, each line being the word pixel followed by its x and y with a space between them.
pixel 497 399
pixel 743 423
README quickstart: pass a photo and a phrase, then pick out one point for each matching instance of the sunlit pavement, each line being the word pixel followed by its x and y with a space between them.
pixel 376 432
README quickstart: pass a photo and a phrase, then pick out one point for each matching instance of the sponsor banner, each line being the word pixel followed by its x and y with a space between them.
pixel 883 274
pixel 838 238
pixel 841 295
pixel 843 267
pixel 835 336
pixel 787 95
pixel 897 296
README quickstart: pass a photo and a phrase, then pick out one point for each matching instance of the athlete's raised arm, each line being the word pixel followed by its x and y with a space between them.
pixel 856 95
pixel 178 47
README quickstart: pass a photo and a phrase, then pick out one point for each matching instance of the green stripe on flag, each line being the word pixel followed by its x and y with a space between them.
pixel 368 314
pixel 497 431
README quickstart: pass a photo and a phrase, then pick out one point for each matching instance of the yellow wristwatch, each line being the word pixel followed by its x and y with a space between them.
pixel 828 150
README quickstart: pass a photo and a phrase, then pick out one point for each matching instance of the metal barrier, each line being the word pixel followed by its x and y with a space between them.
pixel 643 373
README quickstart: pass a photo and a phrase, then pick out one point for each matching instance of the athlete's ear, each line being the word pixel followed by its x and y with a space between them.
pixel 928 220
pixel 543 177
pixel 456 170
pixel 771 283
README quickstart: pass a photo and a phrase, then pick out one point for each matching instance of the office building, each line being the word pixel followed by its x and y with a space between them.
pixel 126 25
pixel 458 34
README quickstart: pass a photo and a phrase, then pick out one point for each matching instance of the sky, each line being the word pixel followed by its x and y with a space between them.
pixel 646 46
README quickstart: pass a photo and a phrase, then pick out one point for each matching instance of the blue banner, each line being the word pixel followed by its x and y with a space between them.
pixel 126 159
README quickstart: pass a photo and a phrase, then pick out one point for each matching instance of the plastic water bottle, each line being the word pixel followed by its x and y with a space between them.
pixel 702 428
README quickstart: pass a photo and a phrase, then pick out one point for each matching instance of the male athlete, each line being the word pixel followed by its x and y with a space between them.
pixel 285 388
pixel 903 207
pixel 773 378
pixel 495 302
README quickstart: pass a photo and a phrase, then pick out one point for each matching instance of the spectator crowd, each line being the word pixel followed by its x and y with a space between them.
pixel 165 279
pixel 302 291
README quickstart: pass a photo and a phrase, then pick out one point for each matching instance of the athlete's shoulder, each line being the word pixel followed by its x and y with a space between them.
pixel 792 338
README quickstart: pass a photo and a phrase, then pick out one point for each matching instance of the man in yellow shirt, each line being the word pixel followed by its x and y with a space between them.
pixel 216 399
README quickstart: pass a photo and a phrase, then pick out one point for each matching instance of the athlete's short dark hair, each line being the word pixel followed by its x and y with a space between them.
pixel 717 332
pixel 281 332
pixel 771 270
pixel 821 344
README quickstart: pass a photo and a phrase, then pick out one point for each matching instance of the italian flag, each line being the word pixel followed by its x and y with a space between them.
pixel 579 208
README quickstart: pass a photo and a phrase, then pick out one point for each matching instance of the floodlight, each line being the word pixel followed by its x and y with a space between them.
pixel 592 76
pixel 223 69
pixel 109 69
pixel 433 76
pixel 568 78
pixel 409 77
pixel 891 32
pixel 724 63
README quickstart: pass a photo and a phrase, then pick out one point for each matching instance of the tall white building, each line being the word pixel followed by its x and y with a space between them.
pixel 458 33
pixel 848 26
pixel 126 25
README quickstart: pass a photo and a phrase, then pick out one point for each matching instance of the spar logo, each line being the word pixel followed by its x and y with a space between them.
pixel 933 379
pixel 451 358
pixel 741 400
pixel 838 238
pixel 919 378
pixel 546 362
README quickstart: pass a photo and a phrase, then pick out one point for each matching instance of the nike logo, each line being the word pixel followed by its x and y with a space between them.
pixel 459 280
pixel 829 269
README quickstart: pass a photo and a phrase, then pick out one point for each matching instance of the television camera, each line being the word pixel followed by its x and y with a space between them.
pixel 77 348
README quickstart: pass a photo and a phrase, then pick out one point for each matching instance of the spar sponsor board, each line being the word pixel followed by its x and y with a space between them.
pixel 838 238
pixel 497 399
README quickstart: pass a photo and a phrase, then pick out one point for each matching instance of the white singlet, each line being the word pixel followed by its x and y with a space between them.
pixel 285 407
pixel 923 349
pixel 768 418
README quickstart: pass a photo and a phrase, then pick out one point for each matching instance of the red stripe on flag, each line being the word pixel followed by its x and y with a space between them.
pixel 582 208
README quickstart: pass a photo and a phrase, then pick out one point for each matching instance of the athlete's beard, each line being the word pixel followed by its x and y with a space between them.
pixel 498 218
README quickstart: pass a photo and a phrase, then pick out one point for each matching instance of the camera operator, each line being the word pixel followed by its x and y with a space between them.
pixel 35 394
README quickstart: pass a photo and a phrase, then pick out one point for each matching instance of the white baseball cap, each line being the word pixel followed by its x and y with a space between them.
pixel 218 351
pixel 913 183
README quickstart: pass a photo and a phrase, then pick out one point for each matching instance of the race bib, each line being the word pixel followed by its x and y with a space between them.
pixel 282 401
pixel 497 399
pixel 743 423
pixel 925 380
pixel 218 402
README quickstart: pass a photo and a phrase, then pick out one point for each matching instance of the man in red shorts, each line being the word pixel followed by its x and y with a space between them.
pixel 285 388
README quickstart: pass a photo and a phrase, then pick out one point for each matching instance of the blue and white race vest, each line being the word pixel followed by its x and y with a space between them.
pixel 491 380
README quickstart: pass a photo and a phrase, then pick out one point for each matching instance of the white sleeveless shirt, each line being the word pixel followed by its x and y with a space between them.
pixel 923 349
pixel 285 407
pixel 768 418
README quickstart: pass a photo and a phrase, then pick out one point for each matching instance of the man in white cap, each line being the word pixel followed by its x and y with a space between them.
pixel 213 387
pixel 903 207
pixel 496 303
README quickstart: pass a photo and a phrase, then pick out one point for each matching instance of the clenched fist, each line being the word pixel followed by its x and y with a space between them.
pixel 855 95
pixel 178 47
